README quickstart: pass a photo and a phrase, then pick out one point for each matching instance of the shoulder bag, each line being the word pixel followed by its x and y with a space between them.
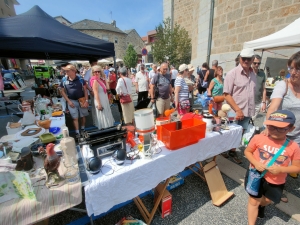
pixel 125 98
pixel 254 176
pixel 185 104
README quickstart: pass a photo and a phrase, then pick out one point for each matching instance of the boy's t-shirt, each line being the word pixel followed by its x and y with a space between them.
pixel 266 148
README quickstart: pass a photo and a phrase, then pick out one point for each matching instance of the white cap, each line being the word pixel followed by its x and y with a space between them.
pixel 111 69
pixel 247 53
pixel 182 67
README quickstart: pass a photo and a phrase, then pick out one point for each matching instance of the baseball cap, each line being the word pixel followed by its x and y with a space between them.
pixel 190 67
pixel 69 67
pixel 111 69
pixel 281 118
pixel 247 53
pixel 182 67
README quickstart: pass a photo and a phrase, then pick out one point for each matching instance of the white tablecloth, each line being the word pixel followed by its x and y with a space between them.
pixel 117 184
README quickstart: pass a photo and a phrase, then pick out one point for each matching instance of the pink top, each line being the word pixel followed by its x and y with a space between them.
pixel 242 88
pixel 266 148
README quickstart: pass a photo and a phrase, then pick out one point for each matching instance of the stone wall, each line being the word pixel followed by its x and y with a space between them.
pixel 235 22
pixel 134 39
pixel 120 46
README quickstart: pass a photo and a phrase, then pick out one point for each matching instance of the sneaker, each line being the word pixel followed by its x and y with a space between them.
pixel 225 154
pixel 284 198
pixel 77 136
pixel 261 211
pixel 234 156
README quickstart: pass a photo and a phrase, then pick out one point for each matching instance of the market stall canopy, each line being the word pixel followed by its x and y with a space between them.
pixel 103 61
pixel 35 34
pixel 288 37
pixel 119 60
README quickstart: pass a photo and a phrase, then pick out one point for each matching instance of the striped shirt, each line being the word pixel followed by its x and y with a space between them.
pixel 184 89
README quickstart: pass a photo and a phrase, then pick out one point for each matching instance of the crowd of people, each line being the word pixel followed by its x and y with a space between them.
pixel 243 88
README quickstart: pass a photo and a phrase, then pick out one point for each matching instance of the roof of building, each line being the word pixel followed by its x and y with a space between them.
pixel 62 18
pixel 145 38
pixel 151 32
pixel 128 31
pixel 95 25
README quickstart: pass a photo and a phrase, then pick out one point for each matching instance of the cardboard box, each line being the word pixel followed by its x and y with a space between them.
pixel 13 129
pixel 175 181
pixel 165 205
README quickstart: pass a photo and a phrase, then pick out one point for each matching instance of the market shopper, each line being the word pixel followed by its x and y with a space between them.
pixel 87 77
pixel 112 80
pixel 124 86
pixel 182 102
pixel 153 72
pixel 162 83
pixel 201 73
pixel 210 74
pixel 239 92
pixel 73 89
pixel 260 151
pixel 142 83
pixel 260 92
pixel 216 88
pixel 100 87
pixel 174 73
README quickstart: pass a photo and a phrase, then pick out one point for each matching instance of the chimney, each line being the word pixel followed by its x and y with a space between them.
pixel 113 23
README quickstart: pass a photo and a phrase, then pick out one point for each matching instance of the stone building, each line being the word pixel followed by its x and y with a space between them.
pixel 111 33
pixel 7 8
pixel 148 41
pixel 219 28
pixel 63 20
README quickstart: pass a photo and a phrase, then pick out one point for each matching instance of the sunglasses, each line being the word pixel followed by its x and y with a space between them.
pixel 96 72
pixel 246 58
pixel 256 63
pixel 278 129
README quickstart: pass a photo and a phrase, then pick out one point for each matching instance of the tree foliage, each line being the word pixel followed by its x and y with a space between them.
pixel 172 45
pixel 130 59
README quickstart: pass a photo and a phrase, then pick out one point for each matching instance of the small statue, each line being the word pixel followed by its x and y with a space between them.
pixel 51 164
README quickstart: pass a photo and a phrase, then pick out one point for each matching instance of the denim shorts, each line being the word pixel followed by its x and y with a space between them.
pixel 244 123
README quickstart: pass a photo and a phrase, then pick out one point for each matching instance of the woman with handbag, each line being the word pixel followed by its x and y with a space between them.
pixel 215 89
pixel 271 157
pixel 124 90
pixel 182 102
pixel 104 117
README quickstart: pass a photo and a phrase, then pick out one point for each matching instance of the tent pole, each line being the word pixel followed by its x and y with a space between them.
pixel 262 53
pixel 115 64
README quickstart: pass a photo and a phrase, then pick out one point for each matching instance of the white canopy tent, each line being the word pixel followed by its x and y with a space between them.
pixel 288 37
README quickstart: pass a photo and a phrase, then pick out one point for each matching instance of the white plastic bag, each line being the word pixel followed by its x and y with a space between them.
pixel 248 134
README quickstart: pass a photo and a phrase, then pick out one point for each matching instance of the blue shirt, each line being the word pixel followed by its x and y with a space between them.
pixel 73 88
pixel 106 72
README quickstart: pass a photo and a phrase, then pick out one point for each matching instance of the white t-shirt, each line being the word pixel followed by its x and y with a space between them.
pixel 121 87
pixel 174 73
pixel 142 80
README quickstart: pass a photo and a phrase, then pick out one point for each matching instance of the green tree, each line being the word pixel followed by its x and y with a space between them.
pixel 130 59
pixel 174 45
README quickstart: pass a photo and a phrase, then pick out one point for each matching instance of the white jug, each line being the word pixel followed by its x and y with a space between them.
pixel 208 119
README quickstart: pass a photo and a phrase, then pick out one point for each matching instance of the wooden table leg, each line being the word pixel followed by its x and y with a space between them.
pixel 148 217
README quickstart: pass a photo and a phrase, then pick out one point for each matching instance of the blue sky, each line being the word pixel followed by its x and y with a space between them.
pixel 142 15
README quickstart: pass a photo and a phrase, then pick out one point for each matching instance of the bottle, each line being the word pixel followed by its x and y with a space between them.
pixel 68 147
pixel 210 108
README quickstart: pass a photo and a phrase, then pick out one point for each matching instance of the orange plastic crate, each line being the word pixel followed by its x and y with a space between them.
pixel 192 131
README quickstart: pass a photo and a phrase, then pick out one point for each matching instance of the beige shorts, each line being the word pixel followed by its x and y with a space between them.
pixel 162 105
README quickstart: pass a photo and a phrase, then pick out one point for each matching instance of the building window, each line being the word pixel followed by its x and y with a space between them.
pixel 6 3
pixel 116 40
pixel 105 38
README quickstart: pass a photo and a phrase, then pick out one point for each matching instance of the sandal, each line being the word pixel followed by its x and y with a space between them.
pixel 284 198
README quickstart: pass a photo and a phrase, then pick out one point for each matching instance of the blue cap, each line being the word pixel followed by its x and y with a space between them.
pixel 281 118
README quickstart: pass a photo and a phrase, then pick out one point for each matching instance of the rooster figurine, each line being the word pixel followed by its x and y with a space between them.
pixel 51 164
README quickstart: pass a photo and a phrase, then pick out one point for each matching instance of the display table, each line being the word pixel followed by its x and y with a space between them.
pixel 49 201
pixel 116 184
